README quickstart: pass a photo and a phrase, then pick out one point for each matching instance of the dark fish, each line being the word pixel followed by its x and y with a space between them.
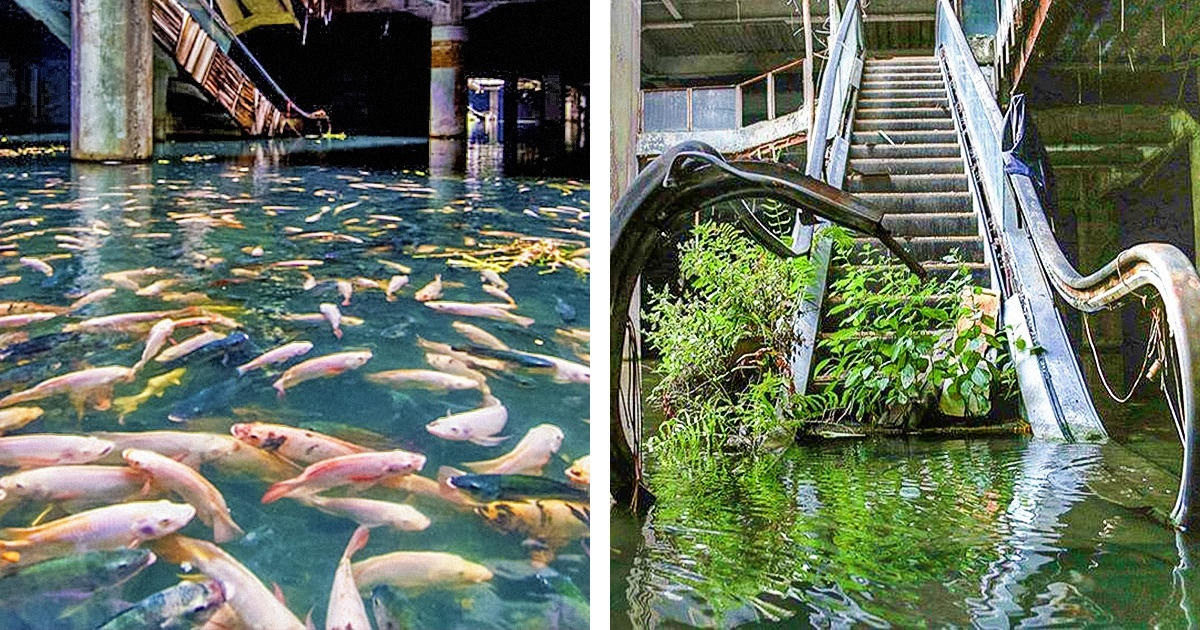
pixel 209 401
pixel 36 345
pixel 181 607
pixel 565 311
pixel 28 373
pixel 516 488
pixel 520 358
pixel 75 576
pixel 232 346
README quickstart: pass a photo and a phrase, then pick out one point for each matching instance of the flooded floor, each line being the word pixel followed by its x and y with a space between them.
pixel 264 240
pixel 991 533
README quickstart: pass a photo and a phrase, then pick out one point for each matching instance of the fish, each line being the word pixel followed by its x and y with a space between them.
pixel 550 521
pixel 155 288
pixel 21 308
pixel 371 512
pixel 124 321
pixel 580 472
pixel 321 367
pixel 75 487
pixel 155 387
pixel 565 311
pixel 477 426
pixel 489 310
pixel 25 319
pixel 159 333
pixel 47 449
pixel 431 291
pixel 280 354
pixel 424 379
pixel 36 345
pixel 188 346
pixel 567 371
pixel 479 336
pixel 256 606
pixel 91 298
pixel 124 525
pixel 346 290
pixel 394 284
pixel 522 359
pixel 75 576
pixel 14 418
pixel 346 610
pixel 333 316
pixel 302 446
pixel 515 488
pixel 297 263
pixel 417 569
pixel 360 470
pixel 224 347
pixel 498 293
pixel 528 456
pixel 489 276
pixel 191 486
pixel 38 265
pixel 211 400
pixel 188 604
pixel 186 447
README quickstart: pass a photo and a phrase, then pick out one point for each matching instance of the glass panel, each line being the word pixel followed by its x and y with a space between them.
pixel 754 102
pixel 664 110
pixel 789 90
pixel 714 108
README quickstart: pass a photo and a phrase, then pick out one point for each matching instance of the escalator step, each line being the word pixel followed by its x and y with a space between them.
pixel 903 113
pixel 923 183
pixel 870 94
pixel 932 224
pixel 905 136
pixel 889 125
pixel 923 248
pixel 902 102
pixel 908 165
pixel 883 151
pixel 918 202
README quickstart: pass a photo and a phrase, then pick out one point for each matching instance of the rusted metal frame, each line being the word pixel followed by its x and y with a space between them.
pixel 1047 26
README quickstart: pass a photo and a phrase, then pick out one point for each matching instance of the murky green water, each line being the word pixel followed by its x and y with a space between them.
pixel 200 222
pixel 992 533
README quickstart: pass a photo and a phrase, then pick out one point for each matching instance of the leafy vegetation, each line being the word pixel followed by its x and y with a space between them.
pixel 904 346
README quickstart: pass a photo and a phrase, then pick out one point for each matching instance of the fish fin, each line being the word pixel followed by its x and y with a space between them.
pixel 489 441
pixel 11 556
pixel 278 593
pixel 482 468
pixel 308 622
pixel 41 516
pixel 337 332
pixel 279 490
pixel 444 474
pixel 225 530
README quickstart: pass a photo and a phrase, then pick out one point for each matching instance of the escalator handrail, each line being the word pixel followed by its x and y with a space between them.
pixel 817 138
pixel 1158 265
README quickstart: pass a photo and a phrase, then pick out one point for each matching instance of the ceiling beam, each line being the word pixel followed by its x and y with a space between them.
pixel 789 19
pixel 672 9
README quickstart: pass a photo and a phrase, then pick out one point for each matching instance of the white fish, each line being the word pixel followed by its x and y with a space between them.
pixel 477 426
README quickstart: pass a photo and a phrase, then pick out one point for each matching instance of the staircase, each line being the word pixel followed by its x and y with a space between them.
pixel 905 160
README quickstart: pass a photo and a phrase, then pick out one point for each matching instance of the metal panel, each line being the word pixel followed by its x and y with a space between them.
pixel 714 108
pixel 664 111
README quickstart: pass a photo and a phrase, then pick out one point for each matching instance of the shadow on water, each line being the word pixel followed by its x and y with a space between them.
pixel 998 532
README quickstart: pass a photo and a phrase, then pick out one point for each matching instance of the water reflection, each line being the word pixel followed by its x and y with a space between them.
pixel 991 533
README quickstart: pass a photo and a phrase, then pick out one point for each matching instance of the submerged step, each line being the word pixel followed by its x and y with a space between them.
pixel 922 183
pixel 907 165
pixel 918 202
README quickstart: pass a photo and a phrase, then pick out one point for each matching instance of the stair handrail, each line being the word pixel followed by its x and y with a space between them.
pixel 1158 265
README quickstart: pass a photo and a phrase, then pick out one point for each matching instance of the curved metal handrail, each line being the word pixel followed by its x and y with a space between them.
pixel 660 200
pixel 1158 265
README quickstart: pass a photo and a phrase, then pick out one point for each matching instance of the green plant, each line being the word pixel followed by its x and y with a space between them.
pixel 904 343
pixel 721 341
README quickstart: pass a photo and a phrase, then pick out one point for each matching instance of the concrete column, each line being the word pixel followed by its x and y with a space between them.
pixel 447 82
pixel 164 70
pixel 625 76
pixel 508 120
pixel 112 79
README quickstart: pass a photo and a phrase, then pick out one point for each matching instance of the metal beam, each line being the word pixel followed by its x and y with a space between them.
pixel 672 9
pixel 789 19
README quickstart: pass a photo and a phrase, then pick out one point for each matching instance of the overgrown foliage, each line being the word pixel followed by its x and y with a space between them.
pixel 721 340
pixel 904 347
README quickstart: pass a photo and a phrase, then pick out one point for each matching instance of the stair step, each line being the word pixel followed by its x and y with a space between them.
pixel 867 94
pixel 905 124
pixel 884 151
pixel 881 336
pixel 922 183
pixel 907 165
pixel 905 137
pixel 918 202
pixel 923 248
pixel 903 113
pixel 873 83
pixel 932 224
pixel 937 271
pixel 921 75
pixel 938 101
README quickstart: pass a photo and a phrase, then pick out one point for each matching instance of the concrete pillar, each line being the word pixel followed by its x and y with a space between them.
pixel 447 82
pixel 625 75
pixel 508 119
pixel 164 70
pixel 112 79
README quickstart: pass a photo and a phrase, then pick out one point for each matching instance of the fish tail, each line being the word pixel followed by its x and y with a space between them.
pixel 279 490
pixel 524 322
pixel 357 541
pixel 241 370
pixel 225 530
